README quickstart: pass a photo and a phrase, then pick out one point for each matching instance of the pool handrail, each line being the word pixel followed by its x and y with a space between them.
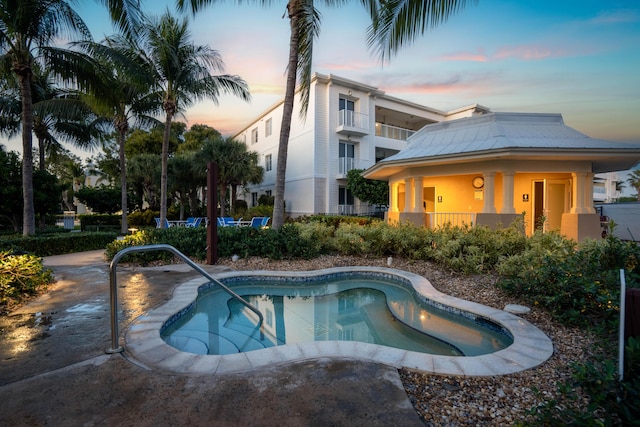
pixel 115 347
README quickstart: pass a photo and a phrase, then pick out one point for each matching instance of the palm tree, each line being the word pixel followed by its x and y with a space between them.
pixel 395 23
pixel 184 181
pixel 181 74
pixel 235 165
pixel 120 95
pixel 634 181
pixel 29 30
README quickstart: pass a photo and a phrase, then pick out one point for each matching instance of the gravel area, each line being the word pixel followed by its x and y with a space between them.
pixel 465 401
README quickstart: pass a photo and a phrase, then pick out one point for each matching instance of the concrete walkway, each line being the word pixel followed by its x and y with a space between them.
pixel 55 371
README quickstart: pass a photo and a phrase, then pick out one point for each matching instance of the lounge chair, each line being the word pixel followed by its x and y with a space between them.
pixel 193 222
pixel 226 221
pixel 259 221
pixel 167 224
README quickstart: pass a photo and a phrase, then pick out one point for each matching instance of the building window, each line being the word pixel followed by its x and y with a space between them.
pixel 269 318
pixel 346 108
pixel 254 199
pixel 345 201
pixel 267 127
pixel 346 155
pixel 267 163
pixel 254 136
pixel 268 192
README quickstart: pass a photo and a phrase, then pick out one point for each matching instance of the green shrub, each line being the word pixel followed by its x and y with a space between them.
pixel 192 242
pixel 59 243
pixel 21 275
pixel 143 218
pixel 579 284
pixel 100 222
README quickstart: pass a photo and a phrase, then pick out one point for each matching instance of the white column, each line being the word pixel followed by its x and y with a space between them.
pixel 409 195
pixel 393 205
pixel 489 193
pixel 508 206
pixel 580 188
pixel 588 194
pixel 418 195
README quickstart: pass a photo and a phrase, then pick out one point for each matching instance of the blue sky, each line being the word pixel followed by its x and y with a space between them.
pixel 578 58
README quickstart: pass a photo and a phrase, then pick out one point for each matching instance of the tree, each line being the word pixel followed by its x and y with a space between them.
pixel 369 191
pixel 180 73
pixel 144 173
pixel 634 181
pixel 235 165
pixel 395 23
pixel 11 188
pixel 196 136
pixel 29 31
pixel 184 180
pixel 102 199
pixel 29 28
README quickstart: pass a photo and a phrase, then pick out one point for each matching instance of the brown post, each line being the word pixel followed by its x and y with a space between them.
pixel 212 213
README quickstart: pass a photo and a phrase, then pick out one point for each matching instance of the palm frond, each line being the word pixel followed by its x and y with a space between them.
pixel 397 23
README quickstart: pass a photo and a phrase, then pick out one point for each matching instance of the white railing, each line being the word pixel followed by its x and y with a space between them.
pixel 393 132
pixel 345 164
pixel 352 119
pixel 346 209
pixel 440 219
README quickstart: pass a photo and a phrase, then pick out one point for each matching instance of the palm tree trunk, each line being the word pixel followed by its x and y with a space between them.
pixel 287 111
pixel 28 213
pixel 124 227
pixel 163 173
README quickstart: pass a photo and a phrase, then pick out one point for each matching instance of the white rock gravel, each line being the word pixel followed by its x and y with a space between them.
pixel 467 401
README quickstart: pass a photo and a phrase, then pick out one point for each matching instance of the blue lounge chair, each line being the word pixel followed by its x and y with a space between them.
pixel 259 221
pixel 167 224
pixel 193 222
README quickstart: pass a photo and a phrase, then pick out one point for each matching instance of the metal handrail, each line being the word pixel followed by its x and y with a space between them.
pixel 115 348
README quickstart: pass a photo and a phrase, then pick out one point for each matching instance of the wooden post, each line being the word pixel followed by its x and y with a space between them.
pixel 212 213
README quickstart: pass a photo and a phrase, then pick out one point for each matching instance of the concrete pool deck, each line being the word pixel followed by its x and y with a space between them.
pixel 54 369
pixel 530 348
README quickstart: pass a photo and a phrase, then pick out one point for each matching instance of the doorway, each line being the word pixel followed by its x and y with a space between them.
pixel 550 201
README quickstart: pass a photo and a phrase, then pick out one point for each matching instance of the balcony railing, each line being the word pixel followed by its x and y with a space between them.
pixel 352 123
pixel 345 164
pixel 440 219
pixel 346 209
pixel 393 132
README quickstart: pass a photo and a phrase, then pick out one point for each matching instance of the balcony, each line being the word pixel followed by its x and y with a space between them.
pixel 345 164
pixel 393 132
pixel 352 123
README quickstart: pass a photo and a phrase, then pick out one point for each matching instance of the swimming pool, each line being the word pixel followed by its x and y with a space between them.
pixel 525 345
pixel 366 307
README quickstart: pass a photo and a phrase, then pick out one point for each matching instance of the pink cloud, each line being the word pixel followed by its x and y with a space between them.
pixel 478 56
pixel 522 52
pixel 527 53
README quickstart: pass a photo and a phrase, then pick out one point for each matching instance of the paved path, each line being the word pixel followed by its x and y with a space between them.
pixel 54 370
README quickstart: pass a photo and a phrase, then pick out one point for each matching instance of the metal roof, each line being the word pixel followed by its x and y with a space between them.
pixel 542 135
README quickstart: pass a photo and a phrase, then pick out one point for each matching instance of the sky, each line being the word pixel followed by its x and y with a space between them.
pixel 577 58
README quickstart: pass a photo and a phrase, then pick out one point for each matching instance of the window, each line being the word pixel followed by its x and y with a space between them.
pixel 267 127
pixel 269 318
pixel 254 135
pixel 346 154
pixel 267 163
pixel 345 201
pixel 346 107
pixel 254 199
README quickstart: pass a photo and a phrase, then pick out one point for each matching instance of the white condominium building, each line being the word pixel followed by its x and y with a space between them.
pixel 349 125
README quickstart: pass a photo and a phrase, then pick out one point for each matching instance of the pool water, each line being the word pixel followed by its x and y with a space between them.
pixel 370 310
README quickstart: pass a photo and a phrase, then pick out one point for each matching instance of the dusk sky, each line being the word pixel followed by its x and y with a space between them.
pixel 577 58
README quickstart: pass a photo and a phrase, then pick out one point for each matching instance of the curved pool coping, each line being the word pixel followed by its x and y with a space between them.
pixel 530 348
